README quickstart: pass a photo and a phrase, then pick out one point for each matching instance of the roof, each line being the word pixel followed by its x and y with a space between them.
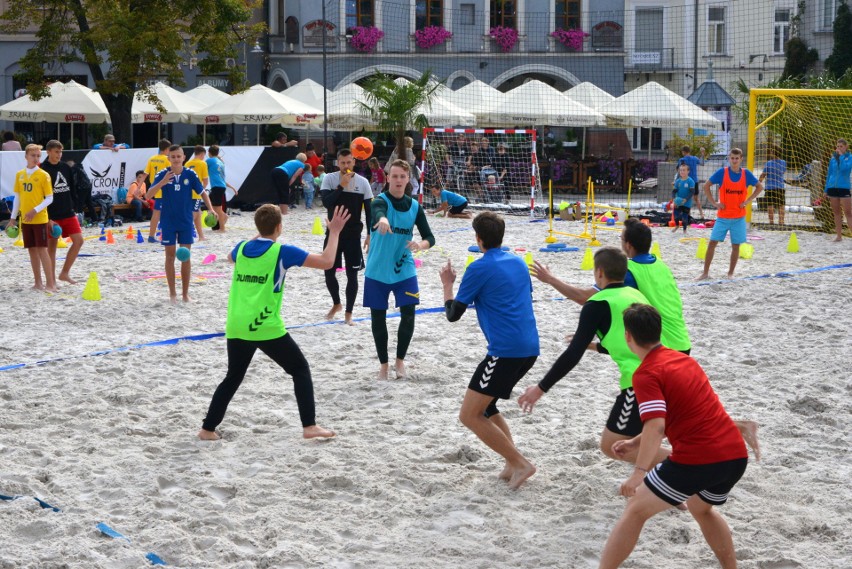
pixel 711 94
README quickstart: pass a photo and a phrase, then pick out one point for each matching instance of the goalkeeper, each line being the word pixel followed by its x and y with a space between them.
pixel 684 189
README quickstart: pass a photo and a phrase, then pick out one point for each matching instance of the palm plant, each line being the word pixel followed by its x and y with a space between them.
pixel 397 105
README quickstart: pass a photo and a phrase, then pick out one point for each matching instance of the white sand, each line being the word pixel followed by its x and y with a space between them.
pixel 111 438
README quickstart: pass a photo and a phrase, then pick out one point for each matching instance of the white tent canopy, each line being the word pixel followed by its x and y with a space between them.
pixel 207 94
pixel 652 105
pixel 476 97
pixel 177 106
pixel 589 94
pixel 307 91
pixel 344 112
pixel 257 105
pixel 536 103
pixel 442 112
pixel 67 103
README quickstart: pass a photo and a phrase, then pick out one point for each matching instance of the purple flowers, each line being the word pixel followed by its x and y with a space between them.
pixel 504 37
pixel 364 38
pixel 572 39
pixel 431 36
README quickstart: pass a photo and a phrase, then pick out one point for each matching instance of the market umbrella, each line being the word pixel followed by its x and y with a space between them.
pixel 309 92
pixel 67 103
pixel 590 95
pixel 208 95
pixel 476 97
pixel 536 103
pixel 176 106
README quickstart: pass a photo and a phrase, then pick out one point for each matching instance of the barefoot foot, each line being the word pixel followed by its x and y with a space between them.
pixel 383 372
pixel 334 310
pixel 317 432
pixel 703 277
pixel 67 279
pixel 520 475
pixel 399 368
pixel 186 298
pixel 505 474
pixel 208 435
pixel 347 319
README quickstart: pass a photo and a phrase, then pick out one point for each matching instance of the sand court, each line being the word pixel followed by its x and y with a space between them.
pixel 105 430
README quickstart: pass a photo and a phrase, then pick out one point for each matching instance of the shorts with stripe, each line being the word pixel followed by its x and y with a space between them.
pixel 34 234
pixel 497 376
pixel 624 416
pixel 674 483
pixel 376 293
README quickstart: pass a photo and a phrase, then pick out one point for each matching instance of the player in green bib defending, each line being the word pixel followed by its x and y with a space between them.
pixel 254 315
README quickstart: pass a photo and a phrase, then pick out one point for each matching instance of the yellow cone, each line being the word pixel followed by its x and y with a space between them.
pixel 588 260
pixel 702 249
pixel 746 250
pixel 92 290
pixel 793 243
pixel 468 261
pixel 528 258
pixel 317 229
pixel 1 249
pixel 655 250
pixel 19 242
pixel 61 244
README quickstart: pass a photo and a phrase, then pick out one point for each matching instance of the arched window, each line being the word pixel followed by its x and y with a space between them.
pixel 359 13
pixel 291 30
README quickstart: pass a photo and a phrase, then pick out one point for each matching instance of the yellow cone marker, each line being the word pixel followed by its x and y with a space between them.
pixel 655 251
pixel 588 260
pixel 702 249
pixel 528 258
pixel 317 229
pixel 468 261
pixel 793 243
pixel 746 250
pixel 93 289
pixel 61 244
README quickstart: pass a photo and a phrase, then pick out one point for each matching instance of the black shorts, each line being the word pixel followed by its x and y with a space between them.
pixel 217 196
pixel 350 248
pixel 775 197
pixel 624 417
pixel 281 184
pixel 674 483
pixel 838 192
pixel 458 208
pixel 497 376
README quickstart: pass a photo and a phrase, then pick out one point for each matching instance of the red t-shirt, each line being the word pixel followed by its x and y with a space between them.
pixel 673 386
pixel 313 162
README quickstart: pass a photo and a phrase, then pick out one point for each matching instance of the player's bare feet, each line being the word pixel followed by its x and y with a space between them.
pixel 506 473
pixel 730 275
pixel 66 278
pixel 383 372
pixel 207 435
pixel 317 432
pixel 333 312
pixel 837 239
pixel 347 318
pixel 173 299
pixel 53 288
pixel 703 277
pixel 186 298
pixel 399 368
pixel 39 287
pixel 748 429
pixel 520 475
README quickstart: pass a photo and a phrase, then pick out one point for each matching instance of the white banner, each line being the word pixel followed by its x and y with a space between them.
pixel 109 170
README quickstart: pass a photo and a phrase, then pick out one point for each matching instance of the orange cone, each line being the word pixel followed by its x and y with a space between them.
pixel 110 239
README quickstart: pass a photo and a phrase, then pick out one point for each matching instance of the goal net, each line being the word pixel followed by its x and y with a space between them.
pixel 495 169
pixel 792 134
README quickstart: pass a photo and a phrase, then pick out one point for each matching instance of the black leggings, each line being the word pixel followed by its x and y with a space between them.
pixel 403 335
pixel 285 352
pixel 351 287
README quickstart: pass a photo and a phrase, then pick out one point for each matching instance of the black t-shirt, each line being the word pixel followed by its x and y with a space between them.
pixel 64 198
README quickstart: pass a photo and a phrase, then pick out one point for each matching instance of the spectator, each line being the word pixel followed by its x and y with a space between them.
pixel 83 185
pixel 313 160
pixel 281 141
pixel 110 144
pixel 10 142
pixel 136 196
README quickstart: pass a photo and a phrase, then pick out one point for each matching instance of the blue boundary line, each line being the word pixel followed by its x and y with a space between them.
pixel 202 337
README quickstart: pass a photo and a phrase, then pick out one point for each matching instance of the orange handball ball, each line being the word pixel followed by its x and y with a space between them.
pixel 361 148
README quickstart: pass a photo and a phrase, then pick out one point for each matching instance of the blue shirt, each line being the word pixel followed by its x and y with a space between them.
pixel 291 167
pixel 693 162
pixel 179 198
pixel 452 198
pixel 719 176
pixel 308 179
pixel 288 256
pixel 216 172
pixel 499 285
pixel 775 170
pixel 839 168
pixel 684 190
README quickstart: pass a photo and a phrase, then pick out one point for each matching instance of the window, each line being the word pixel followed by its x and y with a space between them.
pixel 829 11
pixel 468 14
pixel 640 138
pixel 428 13
pixel 649 30
pixel 568 14
pixel 503 13
pixel 782 30
pixel 716 44
pixel 359 13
